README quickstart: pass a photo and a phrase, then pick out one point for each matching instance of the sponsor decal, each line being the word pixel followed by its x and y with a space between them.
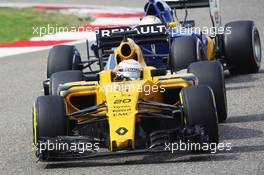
pixel 122 111
pixel 121 131
pixel 141 30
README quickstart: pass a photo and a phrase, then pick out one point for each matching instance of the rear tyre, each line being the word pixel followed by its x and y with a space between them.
pixel 184 51
pixel 63 77
pixel 61 58
pixel 210 73
pixel 49 118
pixel 242 47
pixel 199 109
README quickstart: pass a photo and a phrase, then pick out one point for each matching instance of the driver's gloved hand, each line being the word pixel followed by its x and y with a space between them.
pixel 119 76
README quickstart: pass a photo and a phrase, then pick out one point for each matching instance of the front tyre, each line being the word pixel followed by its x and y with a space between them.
pixel 199 109
pixel 49 118
pixel 211 73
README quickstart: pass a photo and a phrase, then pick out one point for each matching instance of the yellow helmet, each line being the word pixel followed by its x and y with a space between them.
pixel 150 19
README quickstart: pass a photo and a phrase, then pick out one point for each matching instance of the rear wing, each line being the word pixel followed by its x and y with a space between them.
pixel 108 38
pixel 181 4
pixel 213 5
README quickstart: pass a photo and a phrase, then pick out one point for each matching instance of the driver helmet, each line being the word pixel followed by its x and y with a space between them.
pixel 150 19
pixel 129 69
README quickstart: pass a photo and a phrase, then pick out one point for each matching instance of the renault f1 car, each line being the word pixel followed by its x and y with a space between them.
pixel 115 116
pixel 63 58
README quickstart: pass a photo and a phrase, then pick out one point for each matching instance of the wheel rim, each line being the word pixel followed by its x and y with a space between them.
pixel 200 50
pixel 256 45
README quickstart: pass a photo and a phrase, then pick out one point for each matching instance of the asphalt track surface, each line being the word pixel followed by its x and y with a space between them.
pixel 21 78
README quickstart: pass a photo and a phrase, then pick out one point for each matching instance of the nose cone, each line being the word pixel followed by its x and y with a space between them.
pixel 122 99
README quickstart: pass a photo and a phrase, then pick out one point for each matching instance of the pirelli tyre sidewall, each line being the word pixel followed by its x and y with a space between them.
pixel 242 47
pixel 200 109
pixel 62 58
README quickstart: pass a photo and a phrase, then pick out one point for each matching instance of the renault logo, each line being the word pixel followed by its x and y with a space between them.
pixel 121 131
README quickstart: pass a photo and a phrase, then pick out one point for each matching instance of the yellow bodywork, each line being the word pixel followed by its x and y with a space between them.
pixel 210 49
pixel 121 97
pixel 135 53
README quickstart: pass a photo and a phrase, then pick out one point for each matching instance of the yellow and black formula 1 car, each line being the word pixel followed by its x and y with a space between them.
pixel 105 114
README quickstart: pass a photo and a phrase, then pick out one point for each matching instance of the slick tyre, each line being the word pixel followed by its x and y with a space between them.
pixel 210 73
pixel 242 47
pixel 63 77
pixel 184 51
pixel 49 118
pixel 61 58
pixel 199 109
